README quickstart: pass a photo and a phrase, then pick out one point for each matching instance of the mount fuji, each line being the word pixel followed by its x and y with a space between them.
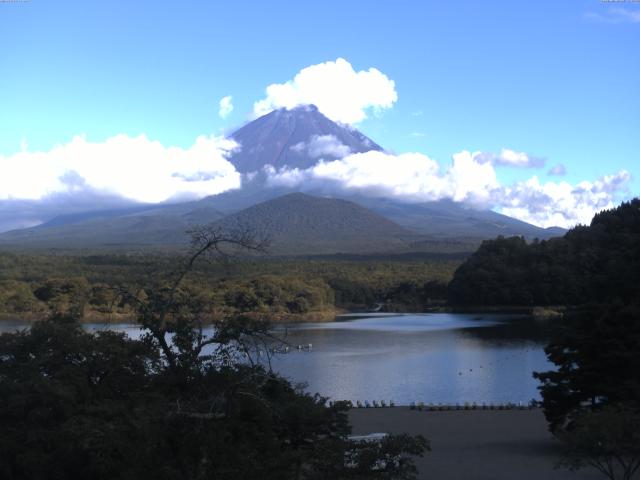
pixel 300 219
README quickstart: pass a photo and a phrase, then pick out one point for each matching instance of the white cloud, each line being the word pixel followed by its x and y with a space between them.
pixel 627 14
pixel 511 158
pixel 615 15
pixel 322 146
pixel 470 178
pixel 412 176
pixel 558 170
pixel 417 134
pixel 561 204
pixel 226 106
pixel 339 92
pixel 133 168
pixel 286 177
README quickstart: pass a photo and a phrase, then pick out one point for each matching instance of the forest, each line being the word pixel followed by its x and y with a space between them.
pixel 595 263
pixel 33 285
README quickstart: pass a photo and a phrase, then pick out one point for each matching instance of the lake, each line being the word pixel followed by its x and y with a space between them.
pixel 433 358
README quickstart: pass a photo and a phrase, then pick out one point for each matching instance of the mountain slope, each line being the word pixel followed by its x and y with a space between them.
pixel 302 224
pixel 164 227
pixel 296 224
pixel 439 220
pixel 297 138
pixel 448 219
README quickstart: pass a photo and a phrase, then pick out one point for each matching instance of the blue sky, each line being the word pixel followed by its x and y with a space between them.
pixel 556 80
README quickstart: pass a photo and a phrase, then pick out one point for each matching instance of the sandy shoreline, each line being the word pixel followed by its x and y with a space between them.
pixel 475 444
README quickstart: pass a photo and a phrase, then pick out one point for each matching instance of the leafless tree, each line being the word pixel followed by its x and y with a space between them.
pixel 165 310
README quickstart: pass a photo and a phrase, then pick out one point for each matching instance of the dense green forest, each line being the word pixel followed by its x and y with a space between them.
pixel 316 288
pixel 596 263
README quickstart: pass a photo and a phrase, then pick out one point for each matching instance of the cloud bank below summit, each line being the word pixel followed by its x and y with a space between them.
pixel 125 170
pixel 470 178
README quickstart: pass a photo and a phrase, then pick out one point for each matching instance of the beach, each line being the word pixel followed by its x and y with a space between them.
pixel 475 444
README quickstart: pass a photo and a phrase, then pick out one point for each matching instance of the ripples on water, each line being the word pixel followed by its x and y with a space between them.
pixel 434 358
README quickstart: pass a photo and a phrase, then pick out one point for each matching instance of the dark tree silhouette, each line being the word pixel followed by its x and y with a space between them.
pixel 597 354
pixel 598 263
pixel 607 440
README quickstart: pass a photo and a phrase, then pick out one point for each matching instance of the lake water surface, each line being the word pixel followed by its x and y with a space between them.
pixel 448 358
pixel 434 358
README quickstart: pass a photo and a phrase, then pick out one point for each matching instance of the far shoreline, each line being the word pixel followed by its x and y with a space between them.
pixel 328 315
pixel 131 318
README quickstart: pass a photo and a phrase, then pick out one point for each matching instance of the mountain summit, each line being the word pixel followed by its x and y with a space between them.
pixel 296 138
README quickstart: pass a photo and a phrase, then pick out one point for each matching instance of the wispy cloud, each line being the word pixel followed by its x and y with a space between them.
pixel 327 146
pixel 511 158
pixel 558 170
pixel 417 134
pixel 615 15
pixel 226 106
